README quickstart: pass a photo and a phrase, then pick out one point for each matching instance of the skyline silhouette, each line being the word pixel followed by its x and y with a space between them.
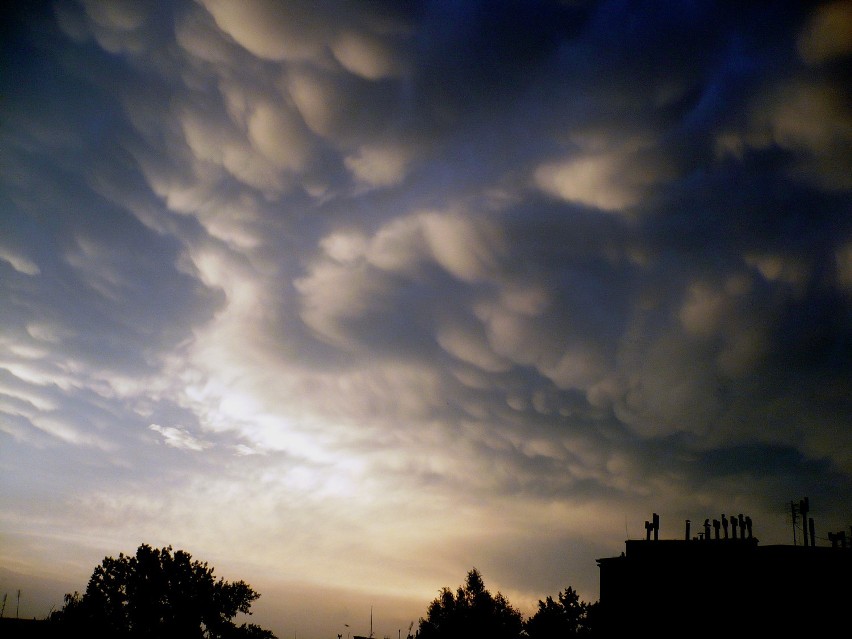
pixel 667 584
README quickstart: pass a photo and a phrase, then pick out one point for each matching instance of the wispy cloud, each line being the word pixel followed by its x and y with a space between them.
pixel 179 438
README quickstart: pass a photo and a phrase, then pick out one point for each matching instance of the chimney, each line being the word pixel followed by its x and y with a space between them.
pixel 652 525
pixel 837 539
pixel 687 530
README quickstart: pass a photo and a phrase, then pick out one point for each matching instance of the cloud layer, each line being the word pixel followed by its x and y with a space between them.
pixel 360 295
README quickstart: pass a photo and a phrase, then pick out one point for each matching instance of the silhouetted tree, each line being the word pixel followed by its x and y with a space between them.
pixel 471 612
pixel 566 617
pixel 159 594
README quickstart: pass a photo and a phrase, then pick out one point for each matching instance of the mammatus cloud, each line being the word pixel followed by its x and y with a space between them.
pixel 377 166
pixel 613 181
pixel 370 57
pixel 358 294
pixel 271 30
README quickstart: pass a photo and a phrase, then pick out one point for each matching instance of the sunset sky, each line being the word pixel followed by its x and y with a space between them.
pixel 348 298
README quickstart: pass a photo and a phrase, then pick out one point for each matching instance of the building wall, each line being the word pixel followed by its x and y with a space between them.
pixel 729 587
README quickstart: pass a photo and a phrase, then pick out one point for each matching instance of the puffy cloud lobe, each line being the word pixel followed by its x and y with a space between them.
pixel 468 249
pixel 604 181
pixel 377 166
pixel 810 121
pixel 357 261
pixel 116 26
pixel 272 30
pixel 469 346
pixel 279 137
pixel 363 273
pixel 367 57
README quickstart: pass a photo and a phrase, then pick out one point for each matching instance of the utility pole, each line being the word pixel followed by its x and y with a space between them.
pixel 18 606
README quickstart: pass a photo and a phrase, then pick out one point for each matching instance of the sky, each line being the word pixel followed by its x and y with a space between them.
pixel 348 298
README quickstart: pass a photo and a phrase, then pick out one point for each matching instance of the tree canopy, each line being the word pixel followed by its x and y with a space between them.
pixel 158 593
pixel 471 612
pixel 565 617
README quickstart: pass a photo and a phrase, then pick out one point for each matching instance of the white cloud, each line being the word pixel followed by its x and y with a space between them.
pixel 280 136
pixel 318 100
pixel 525 298
pixel 66 430
pixel 366 56
pixel 345 248
pixel 198 34
pixel 723 316
pixel 805 117
pixel 179 438
pixel 595 181
pixel 47 331
pixel 609 176
pixel 578 366
pixel 469 345
pixel 704 310
pixel 341 285
pixel 38 398
pixel 215 140
pixel 18 261
pixel 399 245
pixel 468 248
pixel 332 293
pixel 379 165
pixel 270 29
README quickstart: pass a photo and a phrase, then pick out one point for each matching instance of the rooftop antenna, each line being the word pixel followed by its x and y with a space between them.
pixel 794 511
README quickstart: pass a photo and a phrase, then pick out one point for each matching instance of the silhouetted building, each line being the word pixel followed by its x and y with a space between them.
pixel 716 585
pixel 12 628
